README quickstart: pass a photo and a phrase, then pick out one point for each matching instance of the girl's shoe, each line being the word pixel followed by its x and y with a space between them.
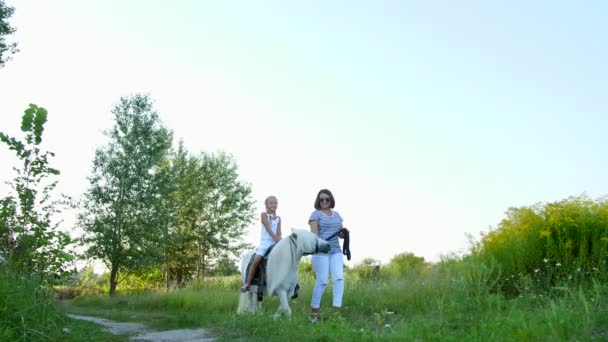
pixel 244 288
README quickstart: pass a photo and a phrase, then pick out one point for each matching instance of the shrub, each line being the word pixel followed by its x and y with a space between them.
pixel 27 310
pixel 405 264
pixel 554 243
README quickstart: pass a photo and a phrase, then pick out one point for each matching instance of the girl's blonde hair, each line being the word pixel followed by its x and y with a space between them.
pixel 268 199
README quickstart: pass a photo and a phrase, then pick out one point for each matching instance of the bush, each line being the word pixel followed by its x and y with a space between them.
pixel 368 269
pixel 405 264
pixel 563 242
pixel 27 310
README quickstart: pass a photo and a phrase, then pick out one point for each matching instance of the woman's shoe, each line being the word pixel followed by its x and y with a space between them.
pixel 314 317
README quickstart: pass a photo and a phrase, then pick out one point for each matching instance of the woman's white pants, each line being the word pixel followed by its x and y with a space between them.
pixel 325 264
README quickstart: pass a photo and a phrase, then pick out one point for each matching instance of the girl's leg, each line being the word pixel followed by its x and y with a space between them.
pixel 320 264
pixel 259 255
pixel 254 266
pixel 336 268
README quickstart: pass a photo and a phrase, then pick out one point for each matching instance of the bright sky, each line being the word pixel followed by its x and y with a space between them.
pixel 427 119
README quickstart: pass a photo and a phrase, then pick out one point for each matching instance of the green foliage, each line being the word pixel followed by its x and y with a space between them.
pixel 226 210
pixel 554 243
pixel 159 214
pixel 121 207
pixel 29 239
pixel 6 29
pixel 450 301
pixel 27 311
pixel 225 266
pixel 211 208
pixel 405 264
pixel 367 269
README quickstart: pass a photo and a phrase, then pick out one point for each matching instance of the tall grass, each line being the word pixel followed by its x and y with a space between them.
pixel 28 312
pixel 452 301
pixel 564 242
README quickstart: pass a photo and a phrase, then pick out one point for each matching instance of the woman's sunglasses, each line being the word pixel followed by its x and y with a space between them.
pixel 324 199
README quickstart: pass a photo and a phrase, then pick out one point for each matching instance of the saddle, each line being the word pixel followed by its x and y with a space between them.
pixel 259 277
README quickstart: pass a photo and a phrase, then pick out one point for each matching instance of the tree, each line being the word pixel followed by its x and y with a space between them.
pixel 28 236
pixel 121 216
pixel 227 210
pixel 179 244
pixel 6 29
pixel 405 263
pixel 212 210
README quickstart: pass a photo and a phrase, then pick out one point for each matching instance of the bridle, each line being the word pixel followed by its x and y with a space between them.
pixel 305 253
pixel 316 247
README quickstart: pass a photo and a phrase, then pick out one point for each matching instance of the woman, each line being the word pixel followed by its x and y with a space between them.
pixel 326 223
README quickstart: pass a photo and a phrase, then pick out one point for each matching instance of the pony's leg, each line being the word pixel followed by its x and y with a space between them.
pixel 284 306
pixel 254 304
pixel 244 303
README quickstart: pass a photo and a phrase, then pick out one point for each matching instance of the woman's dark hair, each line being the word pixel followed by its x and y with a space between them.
pixel 332 201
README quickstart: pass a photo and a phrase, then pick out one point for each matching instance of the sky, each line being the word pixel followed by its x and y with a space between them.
pixel 426 119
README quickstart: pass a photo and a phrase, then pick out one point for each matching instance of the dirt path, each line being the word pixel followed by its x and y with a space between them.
pixel 144 333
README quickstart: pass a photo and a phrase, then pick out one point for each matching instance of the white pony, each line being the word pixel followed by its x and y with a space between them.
pixel 281 270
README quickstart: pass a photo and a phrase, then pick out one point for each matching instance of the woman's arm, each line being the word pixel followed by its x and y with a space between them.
pixel 314 226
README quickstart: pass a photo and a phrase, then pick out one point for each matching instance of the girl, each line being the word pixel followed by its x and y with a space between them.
pixel 271 234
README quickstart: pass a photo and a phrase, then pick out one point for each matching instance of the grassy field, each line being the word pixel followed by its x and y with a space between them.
pixel 542 275
pixel 440 305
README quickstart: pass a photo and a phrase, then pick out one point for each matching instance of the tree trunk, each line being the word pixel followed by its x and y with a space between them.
pixel 203 269
pixel 113 279
pixel 167 276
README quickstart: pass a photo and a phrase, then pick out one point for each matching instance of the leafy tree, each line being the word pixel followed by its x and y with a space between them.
pixel 5 29
pixel 28 236
pixel 179 244
pixel 121 215
pixel 227 210
pixel 225 266
pixel 213 209
pixel 404 263
pixel 368 268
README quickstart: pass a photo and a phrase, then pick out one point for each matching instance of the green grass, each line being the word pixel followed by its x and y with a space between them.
pixel 437 306
pixel 28 312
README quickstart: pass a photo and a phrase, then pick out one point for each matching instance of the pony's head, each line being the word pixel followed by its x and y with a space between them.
pixel 309 243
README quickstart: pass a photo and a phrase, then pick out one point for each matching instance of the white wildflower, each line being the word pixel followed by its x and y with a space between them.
pixel 387 325
pixel 558 264
pixel 546 260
